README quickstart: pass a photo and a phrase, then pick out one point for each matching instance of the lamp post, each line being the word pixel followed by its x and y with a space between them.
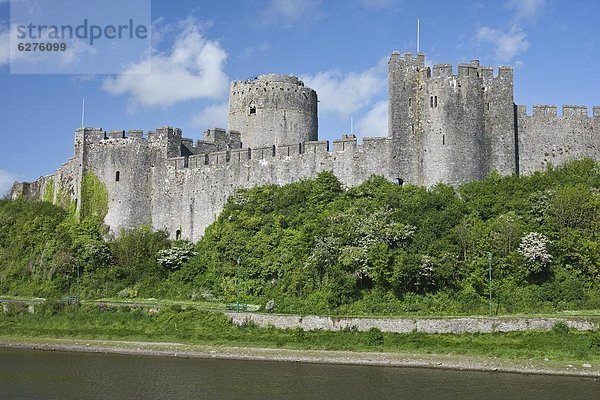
pixel 78 290
pixel 237 276
pixel 490 279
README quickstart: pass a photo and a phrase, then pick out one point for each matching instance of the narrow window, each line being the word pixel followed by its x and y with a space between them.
pixel 206 159
pixel 488 106
pixel 409 102
pixel 412 128
pixel 299 148
pixel 178 234
pixel 435 101
pixel 273 150
pixel 431 101
pixel 443 140
pixel 249 153
pixel 252 109
pixel 118 176
pixel 186 162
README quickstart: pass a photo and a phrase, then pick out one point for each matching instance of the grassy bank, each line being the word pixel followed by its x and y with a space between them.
pixel 196 327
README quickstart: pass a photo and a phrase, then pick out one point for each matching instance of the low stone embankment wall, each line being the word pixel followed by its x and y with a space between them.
pixel 403 325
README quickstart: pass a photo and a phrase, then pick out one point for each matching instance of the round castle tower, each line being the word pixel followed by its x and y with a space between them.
pixel 273 110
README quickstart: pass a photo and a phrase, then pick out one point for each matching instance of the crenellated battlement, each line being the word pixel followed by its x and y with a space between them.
pixel 469 71
pixel 568 112
pixel 407 58
pixel 235 157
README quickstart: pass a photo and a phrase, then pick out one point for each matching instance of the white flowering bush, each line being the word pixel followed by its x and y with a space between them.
pixel 534 247
pixel 178 254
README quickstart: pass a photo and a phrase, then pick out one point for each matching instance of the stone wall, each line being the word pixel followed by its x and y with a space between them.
pixel 402 325
pixel 547 138
pixel 189 198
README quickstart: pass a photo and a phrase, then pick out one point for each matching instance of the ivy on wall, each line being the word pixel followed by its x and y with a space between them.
pixel 49 191
pixel 94 197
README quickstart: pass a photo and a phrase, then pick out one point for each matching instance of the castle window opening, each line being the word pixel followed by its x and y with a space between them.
pixel 409 102
pixel 118 176
pixel 178 234
pixel 488 106
pixel 435 101
pixel 249 153
pixel 412 128
pixel 431 102
pixel 252 109
pixel 400 181
pixel 443 140
pixel 206 159
pixel 273 150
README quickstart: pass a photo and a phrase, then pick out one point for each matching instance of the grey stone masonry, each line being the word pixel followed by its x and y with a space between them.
pixel 409 325
pixel 443 127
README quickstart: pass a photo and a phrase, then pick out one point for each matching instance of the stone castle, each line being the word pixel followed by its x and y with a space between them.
pixel 443 127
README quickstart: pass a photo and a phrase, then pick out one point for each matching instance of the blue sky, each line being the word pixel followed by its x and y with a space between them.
pixel 338 47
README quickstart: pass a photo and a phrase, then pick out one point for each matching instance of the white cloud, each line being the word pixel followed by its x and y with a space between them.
pixel 212 116
pixel 507 45
pixel 511 41
pixel 288 13
pixel 526 9
pixel 191 69
pixel 375 123
pixel 251 50
pixel 344 94
pixel 6 181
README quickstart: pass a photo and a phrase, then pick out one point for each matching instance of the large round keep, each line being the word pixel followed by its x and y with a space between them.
pixel 273 110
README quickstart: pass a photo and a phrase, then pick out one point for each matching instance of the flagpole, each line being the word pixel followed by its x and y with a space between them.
pixel 418 35
pixel 82 112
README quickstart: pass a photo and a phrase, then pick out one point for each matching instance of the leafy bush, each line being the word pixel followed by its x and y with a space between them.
pixel 374 337
pixel 561 328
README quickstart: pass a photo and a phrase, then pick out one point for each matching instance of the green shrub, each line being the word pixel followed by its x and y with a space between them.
pixel 374 337
pixel 561 328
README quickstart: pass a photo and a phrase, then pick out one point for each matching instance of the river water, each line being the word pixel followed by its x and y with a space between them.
pixel 34 375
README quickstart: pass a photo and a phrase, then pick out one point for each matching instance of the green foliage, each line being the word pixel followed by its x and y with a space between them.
pixel 314 246
pixel 94 198
pixel 560 328
pixel 49 191
pixel 134 255
pixel 374 337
